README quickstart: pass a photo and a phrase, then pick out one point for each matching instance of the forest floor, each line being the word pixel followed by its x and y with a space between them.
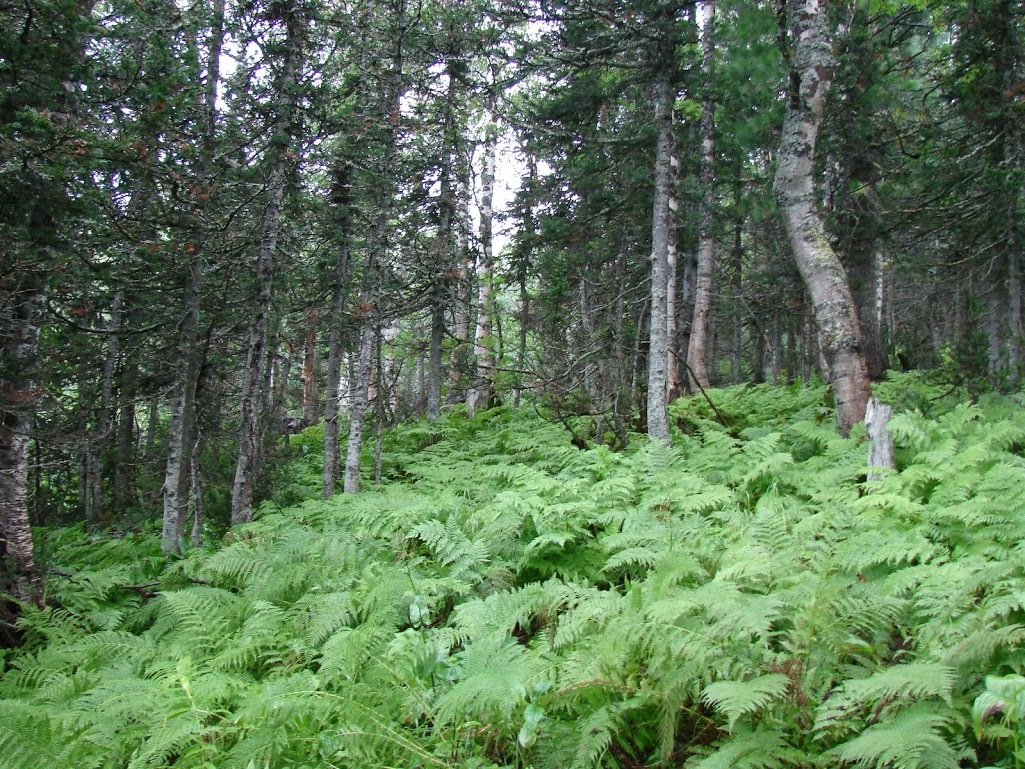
pixel 745 598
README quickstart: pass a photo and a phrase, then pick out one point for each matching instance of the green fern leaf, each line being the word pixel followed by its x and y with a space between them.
pixel 910 740
pixel 735 699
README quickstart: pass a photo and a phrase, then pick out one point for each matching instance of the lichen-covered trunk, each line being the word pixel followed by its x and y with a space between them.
pixel 697 349
pixel 21 338
pixel 658 336
pixel 839 335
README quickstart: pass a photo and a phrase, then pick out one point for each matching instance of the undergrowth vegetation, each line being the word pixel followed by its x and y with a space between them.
pixel 745 599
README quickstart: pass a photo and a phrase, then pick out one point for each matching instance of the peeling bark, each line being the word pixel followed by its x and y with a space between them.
pixel 21 338
pixel 480 393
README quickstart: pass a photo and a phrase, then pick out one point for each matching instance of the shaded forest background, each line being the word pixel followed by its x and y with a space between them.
pixel 225 221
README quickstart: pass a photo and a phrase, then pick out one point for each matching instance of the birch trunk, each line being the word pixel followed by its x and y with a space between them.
pixel 658 348
pixel 21 339
pixel 480 393
pixel 696 352
pixel 839 335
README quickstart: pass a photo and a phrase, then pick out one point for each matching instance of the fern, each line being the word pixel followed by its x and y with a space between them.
pixel 743 599
pixel 735 699
pixel 913 739
pixel 762 749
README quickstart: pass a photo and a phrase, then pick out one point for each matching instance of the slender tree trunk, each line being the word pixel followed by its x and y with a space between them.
pixel 270 228
pixel 658 349
pixel 21 339
pixel 357 415
pixel 342 202
pixel 697 349
pixel 523 261
pixel 376 251
pixel 436 348
pixel 196 492
pixel 183 409
pixel 457 367
pixel 444 266
pixel 823 275
pixel 127 443
pixel 480 393
pixel 183 395
pixel 311 410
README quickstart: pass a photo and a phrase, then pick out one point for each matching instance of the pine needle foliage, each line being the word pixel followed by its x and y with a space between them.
pixel 503 599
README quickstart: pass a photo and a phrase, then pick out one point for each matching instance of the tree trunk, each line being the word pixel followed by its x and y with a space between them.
pixel 838 331
pixel 270 228
pixel 183 409
pixel 358 413
pixel 21 338
pixel 311 410
pixel 458 364
pixel 480 393
pixel 737 302
pixel 377 248
pixel 342 202
pixel 880 448
pixel 697 349
pixel 177 470
pixel 658 348
pixel 443 266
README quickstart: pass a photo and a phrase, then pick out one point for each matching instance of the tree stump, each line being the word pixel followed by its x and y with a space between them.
pixel 880 447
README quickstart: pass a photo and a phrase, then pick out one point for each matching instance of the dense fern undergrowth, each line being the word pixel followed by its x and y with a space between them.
pixel 503 599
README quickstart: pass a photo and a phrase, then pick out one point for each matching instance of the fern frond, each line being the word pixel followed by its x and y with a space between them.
pixel 762 749
pixel 735 699
pixel 898 684
pixel 912 739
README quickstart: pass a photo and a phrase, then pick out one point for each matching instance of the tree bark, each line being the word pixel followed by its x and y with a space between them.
pixel 183 409
pixel 880 448
pixel 480 393
pixel 358 413
pixel 443 266
pixel 658 348
pixel 838 331
pixel 697 349
pixel 21 339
